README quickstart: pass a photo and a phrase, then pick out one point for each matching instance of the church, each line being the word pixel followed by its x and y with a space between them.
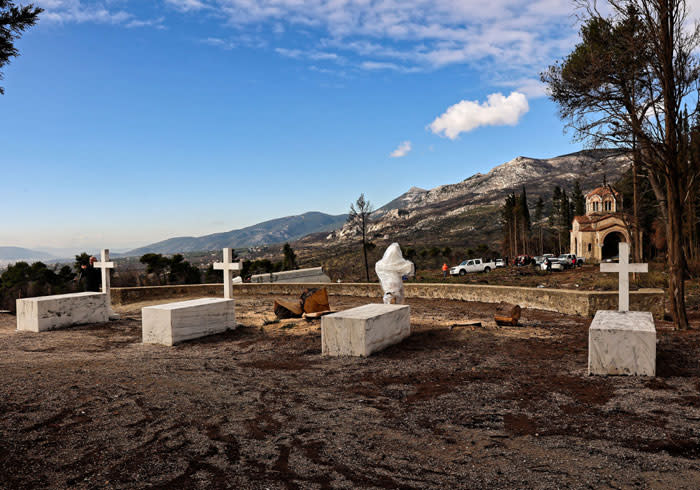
pixel 596 235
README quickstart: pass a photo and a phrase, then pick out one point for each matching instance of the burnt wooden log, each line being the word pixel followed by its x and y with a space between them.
pixel 288 309
pixel 507 315
pixel 312 301
pixel 315 300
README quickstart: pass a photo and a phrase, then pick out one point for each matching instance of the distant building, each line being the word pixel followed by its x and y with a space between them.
pixel 596 235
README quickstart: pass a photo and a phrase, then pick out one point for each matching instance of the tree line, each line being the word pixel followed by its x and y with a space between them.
pixel 547 229
pixel 22 280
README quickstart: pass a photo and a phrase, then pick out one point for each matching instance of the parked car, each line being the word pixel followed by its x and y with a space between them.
pixel 568 260
pixel 554 263
pixel 473 265
pixel 539 260
pixel 500 263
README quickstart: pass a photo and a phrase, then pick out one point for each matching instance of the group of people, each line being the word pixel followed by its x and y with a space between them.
pixel 522 261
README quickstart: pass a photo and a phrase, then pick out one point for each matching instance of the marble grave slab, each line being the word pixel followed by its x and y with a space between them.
pixel 172 323
pixel 363 330
pixel 61 310
pixel 622 343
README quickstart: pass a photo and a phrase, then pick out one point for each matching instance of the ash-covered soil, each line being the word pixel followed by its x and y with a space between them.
pixel 258 407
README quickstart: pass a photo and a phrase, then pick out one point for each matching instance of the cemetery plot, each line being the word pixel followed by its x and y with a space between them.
pixel 364 330
pixel 172 323
pixel 62 310
pixel 45 313
pixel 259 407
pixel 622 341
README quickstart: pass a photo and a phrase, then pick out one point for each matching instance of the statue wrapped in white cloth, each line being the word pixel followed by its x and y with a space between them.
pixel 391 270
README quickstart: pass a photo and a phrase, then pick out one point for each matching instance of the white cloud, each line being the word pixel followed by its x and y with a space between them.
pixel 79 11
pixel 311 55
pixel 531 87
pixel 187 5
pixel 402 150
pixel 468 115
pixel 157 23
pixel 378 65
pixel 219 43
pixel 518 37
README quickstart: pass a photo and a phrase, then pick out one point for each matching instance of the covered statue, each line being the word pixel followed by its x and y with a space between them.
pixel 391 270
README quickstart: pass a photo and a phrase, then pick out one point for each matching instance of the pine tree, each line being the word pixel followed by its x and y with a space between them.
pixel 508 221
pixel 564 221
pixel 578 199
pixel 14 21
pixel 525 223
pixel 539 215
pixel 290 258
pixel 554 215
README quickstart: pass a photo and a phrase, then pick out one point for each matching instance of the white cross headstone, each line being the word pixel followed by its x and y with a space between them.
pixel 624 268
pixel 105 265
pixel 228 266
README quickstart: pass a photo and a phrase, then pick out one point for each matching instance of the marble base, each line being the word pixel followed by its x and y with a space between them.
pixel 364 330
pixel 622 343
pixel 60 311
pixel 172 323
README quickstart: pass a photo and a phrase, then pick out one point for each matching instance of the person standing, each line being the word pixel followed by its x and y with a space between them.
pixel 445 269
pixel 90 276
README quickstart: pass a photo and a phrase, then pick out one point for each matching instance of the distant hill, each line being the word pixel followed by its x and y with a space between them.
pixel 9 254
pixel 274 231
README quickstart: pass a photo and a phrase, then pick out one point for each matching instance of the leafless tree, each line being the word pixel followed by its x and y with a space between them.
pixel 359 219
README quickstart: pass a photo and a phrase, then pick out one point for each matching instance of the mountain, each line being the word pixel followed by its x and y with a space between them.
pixel 469 211
pixel 274 231
pixel 10 254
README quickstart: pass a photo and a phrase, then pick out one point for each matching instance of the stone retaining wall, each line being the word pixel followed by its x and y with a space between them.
pixel 570 302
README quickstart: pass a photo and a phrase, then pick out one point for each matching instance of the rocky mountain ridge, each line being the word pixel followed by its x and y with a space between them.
pixel 456 210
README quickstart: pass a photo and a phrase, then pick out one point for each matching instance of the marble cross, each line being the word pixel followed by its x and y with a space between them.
pixel 624 268
pixel 228 266
pixel 105 265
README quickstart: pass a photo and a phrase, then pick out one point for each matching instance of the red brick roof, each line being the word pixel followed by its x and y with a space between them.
pixel 603 191
pixel 587 222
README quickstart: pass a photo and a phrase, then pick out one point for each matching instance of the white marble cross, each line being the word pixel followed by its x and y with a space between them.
pixel 624 268
pixel 105 265
pixel 228 266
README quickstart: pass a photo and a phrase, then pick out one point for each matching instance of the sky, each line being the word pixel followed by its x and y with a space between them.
pixel 126 122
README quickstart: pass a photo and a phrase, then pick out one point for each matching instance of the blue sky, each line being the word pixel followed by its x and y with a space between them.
pixel 128 122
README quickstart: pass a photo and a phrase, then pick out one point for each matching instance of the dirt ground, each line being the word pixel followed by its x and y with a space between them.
pixel 258 407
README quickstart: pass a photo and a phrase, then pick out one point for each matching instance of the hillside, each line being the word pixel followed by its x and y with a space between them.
pixel 274 231
pixel 467 213
pixel 10 254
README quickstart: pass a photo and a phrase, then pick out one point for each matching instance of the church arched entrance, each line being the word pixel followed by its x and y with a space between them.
pixel 611 244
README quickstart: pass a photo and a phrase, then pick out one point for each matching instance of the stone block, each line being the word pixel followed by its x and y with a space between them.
pixel 60 311
pixel 622 343
pixel 172 323
pixel 364 330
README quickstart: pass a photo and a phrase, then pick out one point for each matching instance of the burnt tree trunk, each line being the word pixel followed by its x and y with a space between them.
pixel 676 259
pixel 364 247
